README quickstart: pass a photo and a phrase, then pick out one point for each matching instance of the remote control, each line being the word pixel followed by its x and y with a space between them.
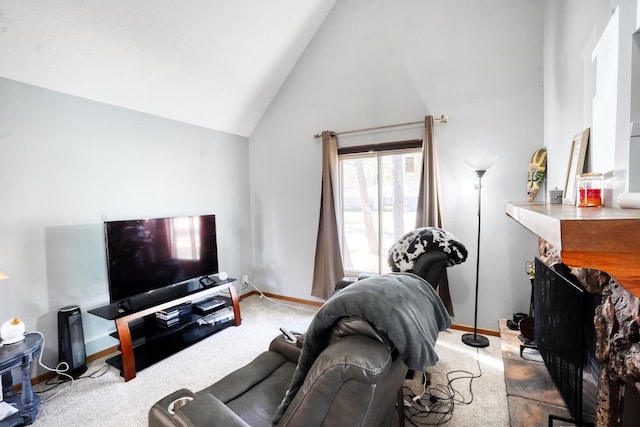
pixel 288 335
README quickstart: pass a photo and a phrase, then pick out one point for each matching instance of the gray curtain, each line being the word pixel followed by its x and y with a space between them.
pixel 429 212
pixel 328 269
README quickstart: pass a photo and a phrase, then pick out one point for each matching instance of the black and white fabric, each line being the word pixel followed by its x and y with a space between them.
pixel 409 247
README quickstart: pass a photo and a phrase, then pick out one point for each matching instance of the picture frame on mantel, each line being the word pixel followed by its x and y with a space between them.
pixel 575 167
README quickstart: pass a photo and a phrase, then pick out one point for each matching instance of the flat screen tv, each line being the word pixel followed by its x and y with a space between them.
pixel 146 255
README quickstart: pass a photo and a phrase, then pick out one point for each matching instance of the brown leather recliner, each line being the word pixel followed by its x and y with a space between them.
pixel 353 361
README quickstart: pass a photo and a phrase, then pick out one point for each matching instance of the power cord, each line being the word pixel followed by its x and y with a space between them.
pixel 61 369
pixel 425 382
pixel 95 374
pixel 435 405
pixel 262 295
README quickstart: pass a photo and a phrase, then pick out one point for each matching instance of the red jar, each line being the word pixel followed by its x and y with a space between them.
pixel 589 186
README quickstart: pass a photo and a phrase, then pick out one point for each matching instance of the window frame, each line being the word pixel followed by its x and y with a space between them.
pixel 364 151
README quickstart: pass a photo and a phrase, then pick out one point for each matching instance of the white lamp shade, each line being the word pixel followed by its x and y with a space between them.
pixel 12 331
pixel 481 162
pixel 3 275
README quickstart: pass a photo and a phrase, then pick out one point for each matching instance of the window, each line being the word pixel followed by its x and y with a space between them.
pixel 379 194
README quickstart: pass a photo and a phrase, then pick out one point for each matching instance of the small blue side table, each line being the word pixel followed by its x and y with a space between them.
pixel 20 355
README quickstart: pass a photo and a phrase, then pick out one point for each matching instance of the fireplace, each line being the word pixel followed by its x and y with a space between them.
pixel 602 245
pixel 565 337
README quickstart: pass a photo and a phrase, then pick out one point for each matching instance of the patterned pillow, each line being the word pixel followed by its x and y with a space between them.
pixel 405 251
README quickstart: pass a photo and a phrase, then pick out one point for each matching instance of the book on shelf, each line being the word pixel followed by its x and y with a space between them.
pixel 168 316
pixel 175 311
pixel 168 323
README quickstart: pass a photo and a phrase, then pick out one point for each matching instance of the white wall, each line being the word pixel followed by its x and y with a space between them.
pixel 571 30
pixel 374 63
pixel 68 164
pixel 587 79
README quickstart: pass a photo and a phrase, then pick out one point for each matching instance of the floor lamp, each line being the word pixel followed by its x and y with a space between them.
pixel 480 164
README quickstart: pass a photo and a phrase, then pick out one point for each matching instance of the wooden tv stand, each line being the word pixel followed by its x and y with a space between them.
pixel 123 317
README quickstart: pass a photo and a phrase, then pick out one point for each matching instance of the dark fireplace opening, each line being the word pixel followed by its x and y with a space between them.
pixel 630 406
pixel 565 337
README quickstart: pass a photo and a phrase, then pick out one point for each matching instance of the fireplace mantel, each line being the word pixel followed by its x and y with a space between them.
pixel 605 239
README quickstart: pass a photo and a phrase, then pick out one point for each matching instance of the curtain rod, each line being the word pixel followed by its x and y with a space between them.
pixel 441 119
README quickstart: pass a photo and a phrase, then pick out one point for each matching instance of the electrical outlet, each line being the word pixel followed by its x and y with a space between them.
pixel 245 280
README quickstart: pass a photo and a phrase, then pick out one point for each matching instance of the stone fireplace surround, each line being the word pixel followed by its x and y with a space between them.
pixel 617 318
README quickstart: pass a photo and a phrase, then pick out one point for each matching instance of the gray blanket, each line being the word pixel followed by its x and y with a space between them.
pixel 402 305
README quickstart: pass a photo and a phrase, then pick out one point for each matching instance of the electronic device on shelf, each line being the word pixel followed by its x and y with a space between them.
pixel 146 256
pixel 217 317
pixel 208 305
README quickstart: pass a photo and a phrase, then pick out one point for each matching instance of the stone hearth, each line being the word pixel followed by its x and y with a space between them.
pixel 531 394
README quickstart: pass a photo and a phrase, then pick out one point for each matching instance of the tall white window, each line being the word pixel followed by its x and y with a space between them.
pixel 379 196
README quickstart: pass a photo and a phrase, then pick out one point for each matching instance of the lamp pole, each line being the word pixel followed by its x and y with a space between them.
pixel 475 340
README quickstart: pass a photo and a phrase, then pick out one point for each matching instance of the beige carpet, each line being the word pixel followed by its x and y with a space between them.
pixel 467 386
pixel 108 401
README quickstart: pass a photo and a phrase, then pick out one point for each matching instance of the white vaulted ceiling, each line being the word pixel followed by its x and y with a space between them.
pixel 211 63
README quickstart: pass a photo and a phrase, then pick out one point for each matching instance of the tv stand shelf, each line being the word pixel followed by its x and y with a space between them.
pixel 156 342
pixel 162 343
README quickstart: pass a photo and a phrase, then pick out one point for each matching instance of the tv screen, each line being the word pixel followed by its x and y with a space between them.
pixel 147 254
